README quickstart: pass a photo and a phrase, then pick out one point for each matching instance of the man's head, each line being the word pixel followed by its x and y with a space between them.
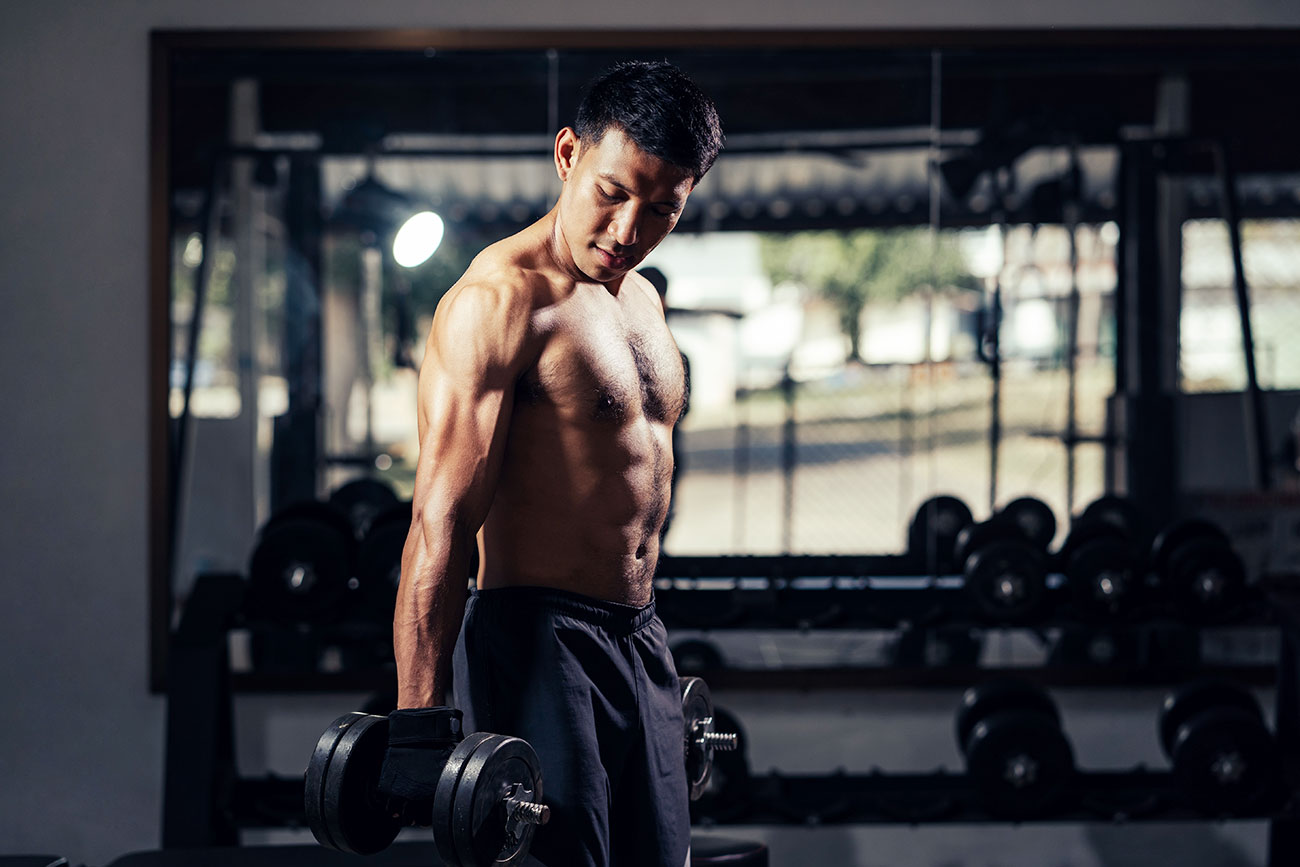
pixel 658 108
pixel 644 137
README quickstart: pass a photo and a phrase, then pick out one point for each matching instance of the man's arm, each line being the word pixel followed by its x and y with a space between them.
pixel 475 353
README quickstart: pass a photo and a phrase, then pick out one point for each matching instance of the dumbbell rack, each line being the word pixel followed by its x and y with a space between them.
pixel 781 593
pixel 205 800
pixel 755 587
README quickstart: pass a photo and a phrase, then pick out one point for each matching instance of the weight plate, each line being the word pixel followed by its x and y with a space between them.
pixel 1206 578
pixel 344 810
pixel 299 572
pixel 695 655
pixel 697 717
pixel 1034 518
pixel 1119 511
pixel 362 500
pixel 728 783
pixel 379 560
pixel 312 511
pixel 998 696
pixel 444 797
pixel 1196 698
pixel 1022 762
pixel 1007 580
pixel 482 829
pixel 933 532
pixel 1176 535
pixel 975 536
pixel 314 778
pixel 1227 761
pixel 1103 575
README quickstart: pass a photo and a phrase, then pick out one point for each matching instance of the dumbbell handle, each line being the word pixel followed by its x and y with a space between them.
pixel 528 812
pixel 721 740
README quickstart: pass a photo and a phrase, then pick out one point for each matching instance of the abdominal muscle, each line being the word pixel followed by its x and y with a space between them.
pixel 579 506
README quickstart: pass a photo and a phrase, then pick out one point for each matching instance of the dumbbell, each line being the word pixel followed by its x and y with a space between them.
pixel 933 533
pixel 1198 570
pixel 1034 518
pixel 1214 734
pixel 701 739
pixel 487 804
pixel 1102 567
pixel 1009 732
pixel 1006 575
pixel 488 800
pixel 301 569
pixel 1120 512
pixel 363 500
pixel 727 787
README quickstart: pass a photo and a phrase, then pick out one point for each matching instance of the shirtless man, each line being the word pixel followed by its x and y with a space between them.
pixel 547 399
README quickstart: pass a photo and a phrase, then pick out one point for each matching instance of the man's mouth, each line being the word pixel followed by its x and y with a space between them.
pixel 613 260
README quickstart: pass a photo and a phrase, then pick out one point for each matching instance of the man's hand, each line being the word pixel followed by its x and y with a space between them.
pixel 419 743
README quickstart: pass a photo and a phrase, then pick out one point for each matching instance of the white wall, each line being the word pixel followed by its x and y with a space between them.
pixel 80 737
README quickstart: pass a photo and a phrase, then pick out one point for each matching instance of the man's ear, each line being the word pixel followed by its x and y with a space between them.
pixel 567 149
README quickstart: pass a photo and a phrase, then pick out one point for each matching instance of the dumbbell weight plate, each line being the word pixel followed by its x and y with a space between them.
pixel 728 783
pixel 997 696
pixel 362 500
pixel 1035 519
pixel 1197 698
pixel 697 716
pixel 471 822
pixel 1176 535
pixel 344 811
pixel 1226 760
pixel 1102 567
pixel 313 511
pixel 940 518
pixel 1007 580
pixel 299 571
pixel 1022 762
pixel 1118 511
pixel 1207 579
pixel 379 559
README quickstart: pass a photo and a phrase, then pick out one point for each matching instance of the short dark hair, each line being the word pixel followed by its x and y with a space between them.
pixel 659 108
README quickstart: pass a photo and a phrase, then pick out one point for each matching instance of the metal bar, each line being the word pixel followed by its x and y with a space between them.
pixel 1254 415
pixel 180 437
pixel 1071 215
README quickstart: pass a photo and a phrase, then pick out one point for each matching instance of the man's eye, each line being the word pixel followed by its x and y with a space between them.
pixel 609 197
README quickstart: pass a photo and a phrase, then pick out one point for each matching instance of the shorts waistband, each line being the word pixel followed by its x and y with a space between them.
pixel 614 616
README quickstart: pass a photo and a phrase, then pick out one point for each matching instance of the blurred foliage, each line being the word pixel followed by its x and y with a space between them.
pixel 851 268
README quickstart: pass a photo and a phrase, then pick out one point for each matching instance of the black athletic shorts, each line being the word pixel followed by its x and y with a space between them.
pixel 591 685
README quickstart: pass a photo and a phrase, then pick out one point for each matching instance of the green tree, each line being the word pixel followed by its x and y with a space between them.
pixel 850 268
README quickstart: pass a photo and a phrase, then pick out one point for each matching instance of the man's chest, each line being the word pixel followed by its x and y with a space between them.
pixel 608 368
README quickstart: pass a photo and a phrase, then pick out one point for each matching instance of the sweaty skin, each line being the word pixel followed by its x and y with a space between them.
pixel 547 398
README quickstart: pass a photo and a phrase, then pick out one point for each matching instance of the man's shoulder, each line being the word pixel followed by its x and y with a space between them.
pixel 501 274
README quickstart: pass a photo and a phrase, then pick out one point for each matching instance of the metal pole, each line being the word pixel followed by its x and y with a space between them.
pixel 1254 417
pixel 1071 214
pixel 207 236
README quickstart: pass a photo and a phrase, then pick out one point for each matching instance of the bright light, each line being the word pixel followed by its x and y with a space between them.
pixel 418 238
pixel 193 254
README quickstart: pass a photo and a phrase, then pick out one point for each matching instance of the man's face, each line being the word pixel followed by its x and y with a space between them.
pixel 618 202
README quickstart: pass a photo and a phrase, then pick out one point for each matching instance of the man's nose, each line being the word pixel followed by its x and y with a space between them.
pixel 623 228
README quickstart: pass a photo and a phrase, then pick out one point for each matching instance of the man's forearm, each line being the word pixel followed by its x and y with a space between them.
pixel 430 606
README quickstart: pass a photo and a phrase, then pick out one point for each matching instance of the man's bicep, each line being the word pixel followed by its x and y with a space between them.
pixel 466 394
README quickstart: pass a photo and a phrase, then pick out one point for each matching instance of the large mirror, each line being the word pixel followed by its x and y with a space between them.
pixel 921 266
